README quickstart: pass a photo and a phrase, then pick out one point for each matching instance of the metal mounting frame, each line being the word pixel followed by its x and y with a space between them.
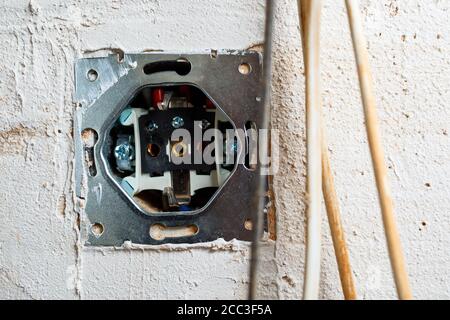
pixel 100 103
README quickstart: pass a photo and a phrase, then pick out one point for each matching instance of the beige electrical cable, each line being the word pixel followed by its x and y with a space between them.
pixel 336 228
pixel 309 16
pixel 384 194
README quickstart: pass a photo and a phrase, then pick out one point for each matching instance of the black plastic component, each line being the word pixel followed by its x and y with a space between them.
pixel 156 165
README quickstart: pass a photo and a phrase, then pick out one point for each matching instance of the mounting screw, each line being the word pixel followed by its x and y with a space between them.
pixel 124 151
pixel 204 124
pixel 177 122
pixel 152 126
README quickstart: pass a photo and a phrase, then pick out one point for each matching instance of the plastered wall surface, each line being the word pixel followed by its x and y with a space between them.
pixel 41 253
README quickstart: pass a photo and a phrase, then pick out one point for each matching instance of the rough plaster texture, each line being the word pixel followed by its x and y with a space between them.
pixel 40 252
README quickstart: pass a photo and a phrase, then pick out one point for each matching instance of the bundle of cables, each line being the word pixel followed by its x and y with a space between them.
pixel 319 174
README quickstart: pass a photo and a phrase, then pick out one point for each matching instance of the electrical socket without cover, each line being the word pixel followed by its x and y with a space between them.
pixel 128 111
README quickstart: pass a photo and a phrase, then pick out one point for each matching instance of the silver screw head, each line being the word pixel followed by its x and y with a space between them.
pixel 124 151
pixel 152 126
pixel 177 122
pixel 204 124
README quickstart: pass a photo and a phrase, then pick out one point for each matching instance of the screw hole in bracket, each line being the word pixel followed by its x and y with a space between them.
pixel 181 66
pixel 97 229
pixel 245 68
pixel 92 75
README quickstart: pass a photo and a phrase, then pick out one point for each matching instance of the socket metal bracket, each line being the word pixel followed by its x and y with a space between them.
pixel 104 86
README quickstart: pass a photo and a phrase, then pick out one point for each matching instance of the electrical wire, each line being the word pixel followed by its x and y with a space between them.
pixel 376 150
pixel 258 201
pixel 309 16
pixel 334 220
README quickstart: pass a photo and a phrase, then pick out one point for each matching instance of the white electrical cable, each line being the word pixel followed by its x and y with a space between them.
pixel 309 16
